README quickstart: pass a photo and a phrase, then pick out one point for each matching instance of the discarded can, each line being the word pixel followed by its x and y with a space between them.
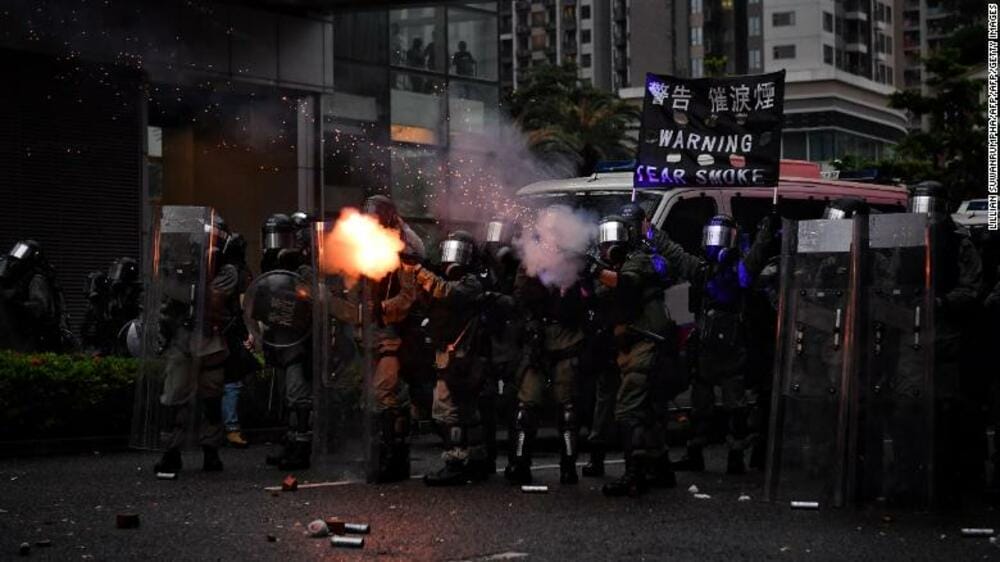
pixel 336 526
pixel 127 521
pixel 318 529
pixel 805 505
pixel 356 528
pixel 347 541
pixel 166 476
pixel 971 532
pixel 535 489
pixel 289 484
pixel 24 549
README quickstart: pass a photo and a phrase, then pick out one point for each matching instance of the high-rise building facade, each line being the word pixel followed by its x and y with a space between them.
pixel 612 42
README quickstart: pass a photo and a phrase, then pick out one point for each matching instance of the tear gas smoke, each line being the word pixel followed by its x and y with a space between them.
pixel 359 246
pixel 552 248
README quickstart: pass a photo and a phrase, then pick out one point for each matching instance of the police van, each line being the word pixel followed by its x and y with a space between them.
pixel 682 212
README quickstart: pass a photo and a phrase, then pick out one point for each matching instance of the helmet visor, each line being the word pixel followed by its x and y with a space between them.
pixel 612 231
pixel 719 235
pixel 278 240
pixel 20 250
pixel 456 251
pixel 833 213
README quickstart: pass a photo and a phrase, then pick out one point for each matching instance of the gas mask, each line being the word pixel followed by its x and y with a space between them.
pixel 613 240
pixel 719 238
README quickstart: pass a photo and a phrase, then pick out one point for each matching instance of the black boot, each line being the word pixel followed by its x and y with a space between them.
pixel 454 473
pixel 394 451
pixel 169 463
pixel 567 472
pixel 693 461
pixel 275 459
pixel 210 460
pixel 735 463
pixel 457 469
pixel 298 456
pixel 661 472
pixel 631 484
pixel 595 468
pixel 299 447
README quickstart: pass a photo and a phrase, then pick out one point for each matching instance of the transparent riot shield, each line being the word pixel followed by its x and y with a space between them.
pixel 343 404
pixel 814 360
pixel 894 460
pixel 173 345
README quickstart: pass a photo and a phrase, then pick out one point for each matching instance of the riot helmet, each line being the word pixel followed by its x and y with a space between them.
pixel 635 218
pixel 457 251
pixel 302 222
pixel 845 208
pixel 382 208
pixel 278 233
pixel 124 270
pixel 96 285
pixel 235 250
pixel 613 239
pixel 928 197
pixel 719 237
pixel 499 232
pixel 22 255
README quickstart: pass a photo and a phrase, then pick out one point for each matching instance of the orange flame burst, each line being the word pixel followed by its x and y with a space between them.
pixel 359 246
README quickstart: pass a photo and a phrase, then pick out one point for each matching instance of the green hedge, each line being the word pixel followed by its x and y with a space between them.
pixel 46 396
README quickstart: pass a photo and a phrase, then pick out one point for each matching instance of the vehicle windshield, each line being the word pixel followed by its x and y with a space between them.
pixel 601 203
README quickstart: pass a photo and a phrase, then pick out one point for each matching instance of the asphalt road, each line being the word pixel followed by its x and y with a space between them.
pixel 73 501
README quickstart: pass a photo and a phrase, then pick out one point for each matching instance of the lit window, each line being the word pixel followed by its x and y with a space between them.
pixel 754 25
pixel 696 35
pixel 695 6
pixel 755 59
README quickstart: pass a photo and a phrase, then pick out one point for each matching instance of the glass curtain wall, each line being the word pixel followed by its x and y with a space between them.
pixel 411 85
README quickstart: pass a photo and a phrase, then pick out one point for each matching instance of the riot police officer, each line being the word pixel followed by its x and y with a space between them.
pixel 94 331
pixel 33 304
pixel 957 276
pixel 631 280
pixel 281 251
pixel 124 299
pixel 391 301
pixel 195 352
pixel 455 323
pixel 498 271
pixel 553 335
pixel 722 355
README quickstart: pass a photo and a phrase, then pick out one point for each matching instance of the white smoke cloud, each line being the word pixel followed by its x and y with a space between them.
pixel 552 248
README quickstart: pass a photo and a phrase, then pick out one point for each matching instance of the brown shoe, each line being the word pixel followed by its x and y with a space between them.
pixel 235 439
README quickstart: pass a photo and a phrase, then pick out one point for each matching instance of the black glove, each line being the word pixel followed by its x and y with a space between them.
pixel 410 259
pixel 594 266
